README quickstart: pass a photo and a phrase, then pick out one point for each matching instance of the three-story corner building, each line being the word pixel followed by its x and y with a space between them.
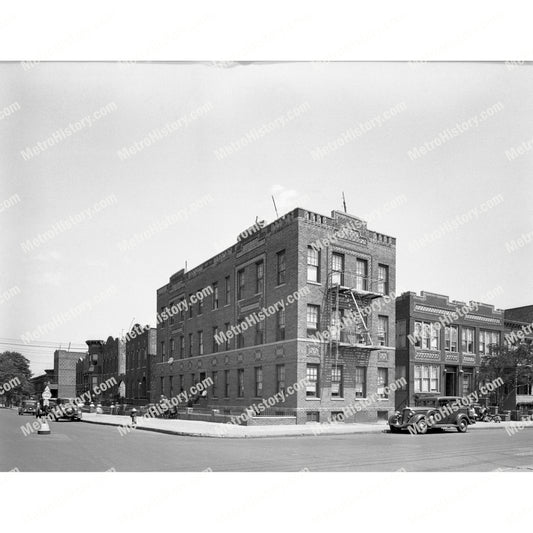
pixel 440 343
pixel 303 300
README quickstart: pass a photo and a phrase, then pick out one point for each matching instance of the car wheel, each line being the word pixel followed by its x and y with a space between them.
pixel 462 425
pixel 394 429
pixel 422 427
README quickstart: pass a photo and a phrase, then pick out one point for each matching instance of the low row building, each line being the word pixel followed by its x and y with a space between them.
pixel 440 345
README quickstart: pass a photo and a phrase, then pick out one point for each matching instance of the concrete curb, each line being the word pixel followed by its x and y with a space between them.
pixel 244 436
pixel 302 433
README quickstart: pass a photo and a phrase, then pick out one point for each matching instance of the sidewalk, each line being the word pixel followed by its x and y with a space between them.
pixel 191 428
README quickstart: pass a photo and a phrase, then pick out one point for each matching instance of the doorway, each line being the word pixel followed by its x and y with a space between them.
pixel 450 384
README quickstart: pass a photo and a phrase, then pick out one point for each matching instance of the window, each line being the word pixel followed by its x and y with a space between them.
pixel 171 314
pixel 467 338
pixel 280 378
pixel 190 306
pixel 280 325
pixel 435 337
pixel 163 355
pixel 200 342
pixel 182 346
pixel 360 382
pixel 171 347
pixel 427 378
pixel 182 308
pixel 259 332
pixel 215 344
pixel 361 274
pixel 383 381
pixel 450 338
pixel 280 278
pixel 383 279
pixel 337 382
pixel 337 269
pixel 312 416
pixel 401 333
pixel 190 344
pixel 240 382
pixel 227 298
pixel 161 385
pixel 258 381
pixel 181 382
pixel 227 345
pixel 240 335
pixel 240 284
pixel 226 383
pixel 488 341
pixel 312 319
pixel 214 386
pixel 427 335
pixel 171 386
pixel 383 330
pixel 215 295
pixel 259 277
pixel 313 264
pixel 338 333
pixel 312 388
pixel 164 322
pixel 200 306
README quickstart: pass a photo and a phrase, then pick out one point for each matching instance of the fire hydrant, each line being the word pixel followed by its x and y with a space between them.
pixel 134 417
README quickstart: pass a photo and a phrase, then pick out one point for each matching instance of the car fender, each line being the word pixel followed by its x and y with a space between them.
pixel 416 418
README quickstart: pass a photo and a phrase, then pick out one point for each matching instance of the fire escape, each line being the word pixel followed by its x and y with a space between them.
pixel 347 312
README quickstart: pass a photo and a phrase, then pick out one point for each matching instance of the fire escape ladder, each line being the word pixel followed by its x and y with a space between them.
pixel 361 318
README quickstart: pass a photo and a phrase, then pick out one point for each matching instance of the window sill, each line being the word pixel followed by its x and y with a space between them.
pixel 338 399
pixel 314 283
pixel 312 398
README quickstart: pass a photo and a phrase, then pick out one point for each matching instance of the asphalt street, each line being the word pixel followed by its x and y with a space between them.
pixel 78 447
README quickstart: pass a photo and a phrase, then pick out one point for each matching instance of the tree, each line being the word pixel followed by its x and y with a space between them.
pixel 514 365
pixel 14 366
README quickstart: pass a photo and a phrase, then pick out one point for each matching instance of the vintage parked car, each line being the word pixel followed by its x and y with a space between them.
pixel 442 412
pixel 65 409
pixel 28 406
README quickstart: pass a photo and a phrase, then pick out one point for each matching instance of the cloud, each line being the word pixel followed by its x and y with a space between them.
pixel 287 199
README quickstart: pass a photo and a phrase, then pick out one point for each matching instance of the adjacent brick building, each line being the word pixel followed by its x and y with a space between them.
pixel 518 329
pixel 103 361
pixel 345 269
pixel 65 372
pixel 140 355
pixel 442 360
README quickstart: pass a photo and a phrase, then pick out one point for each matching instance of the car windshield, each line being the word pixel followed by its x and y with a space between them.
pixel 29 403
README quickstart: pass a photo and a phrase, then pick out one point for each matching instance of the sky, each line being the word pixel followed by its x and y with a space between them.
pixel 293 108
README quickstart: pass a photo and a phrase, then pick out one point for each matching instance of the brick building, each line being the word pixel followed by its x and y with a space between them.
pixel 344 267
pixel 518 329
pixel 103 361
pixel 439 352
pixel 140 355
pixel 65 372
